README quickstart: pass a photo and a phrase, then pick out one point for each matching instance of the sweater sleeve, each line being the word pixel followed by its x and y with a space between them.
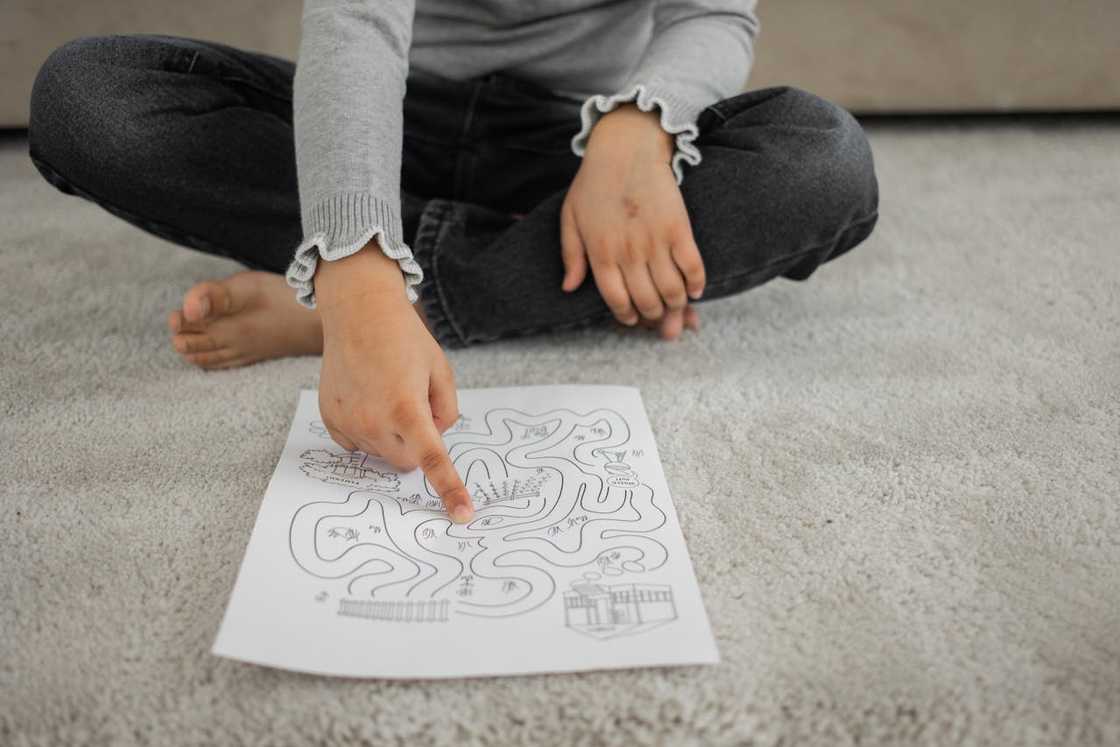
pixel 348 116
pixel 700 52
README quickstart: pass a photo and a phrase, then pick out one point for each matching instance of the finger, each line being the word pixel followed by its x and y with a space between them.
pixel 420 433
pixel 692 319
pixel 572 252
pixel 672 324
pixel 367 446
pixel 670 284
pixel 394 450
pixel 687 257
pixel 340 439
pixel 643 293
pixel 443 398
pixel 370 442
pixel 608 279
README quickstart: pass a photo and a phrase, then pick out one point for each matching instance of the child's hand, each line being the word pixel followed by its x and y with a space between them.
pixel 386 387
pixel 625 217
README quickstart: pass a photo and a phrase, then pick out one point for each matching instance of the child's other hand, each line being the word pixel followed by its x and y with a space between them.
pixel 625 218
pixel 386 387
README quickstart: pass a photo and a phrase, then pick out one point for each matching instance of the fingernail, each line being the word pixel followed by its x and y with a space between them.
pixel 205 306
pixel 695 295
pixel 462 513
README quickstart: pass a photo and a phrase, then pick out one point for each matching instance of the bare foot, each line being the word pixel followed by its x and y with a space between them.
pixel 246 318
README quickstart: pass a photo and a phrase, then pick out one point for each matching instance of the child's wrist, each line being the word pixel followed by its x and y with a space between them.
pixel 628 128
pixel 367 276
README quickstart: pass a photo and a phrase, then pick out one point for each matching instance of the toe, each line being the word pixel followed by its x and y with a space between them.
pixel 211 359
pixel 205 301
pixel 180 326
pixel 193 343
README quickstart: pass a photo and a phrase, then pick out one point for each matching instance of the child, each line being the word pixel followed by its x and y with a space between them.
pixel 517 167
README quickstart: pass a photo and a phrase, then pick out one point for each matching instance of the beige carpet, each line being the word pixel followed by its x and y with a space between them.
pixel 899 483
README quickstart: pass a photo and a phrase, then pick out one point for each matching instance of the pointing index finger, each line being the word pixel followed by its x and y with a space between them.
pixel 441 473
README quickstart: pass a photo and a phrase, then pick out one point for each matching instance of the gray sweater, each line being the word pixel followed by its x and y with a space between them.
pixel 676 56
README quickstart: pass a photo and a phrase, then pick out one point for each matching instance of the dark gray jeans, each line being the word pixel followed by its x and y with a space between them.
pixel 192 141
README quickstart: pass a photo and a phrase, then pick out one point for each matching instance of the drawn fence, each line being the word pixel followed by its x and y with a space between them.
pixel 407 611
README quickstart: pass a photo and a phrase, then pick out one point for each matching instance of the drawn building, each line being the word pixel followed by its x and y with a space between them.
pixel 604 611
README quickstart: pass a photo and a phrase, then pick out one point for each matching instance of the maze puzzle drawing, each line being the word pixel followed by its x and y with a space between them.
pixel 558 508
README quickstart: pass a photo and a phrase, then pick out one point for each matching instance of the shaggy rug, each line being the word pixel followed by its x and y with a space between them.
pixel 899 482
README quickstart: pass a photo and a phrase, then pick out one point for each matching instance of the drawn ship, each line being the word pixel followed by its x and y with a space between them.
pixel 350 466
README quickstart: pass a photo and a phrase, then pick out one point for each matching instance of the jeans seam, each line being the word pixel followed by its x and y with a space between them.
pixel 446 221
pixel 282 97
pixel 715 109
pixel 465 147
pixel 433 298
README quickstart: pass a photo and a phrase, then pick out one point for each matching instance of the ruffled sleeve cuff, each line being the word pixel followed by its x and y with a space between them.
pixel 676 116
pixel 340 225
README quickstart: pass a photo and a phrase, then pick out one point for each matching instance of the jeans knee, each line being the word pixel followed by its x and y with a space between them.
pixel 817 148
pixel 62 95
pixel 838 156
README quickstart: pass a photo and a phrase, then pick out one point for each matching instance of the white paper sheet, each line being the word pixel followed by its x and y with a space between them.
pixel 574 560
